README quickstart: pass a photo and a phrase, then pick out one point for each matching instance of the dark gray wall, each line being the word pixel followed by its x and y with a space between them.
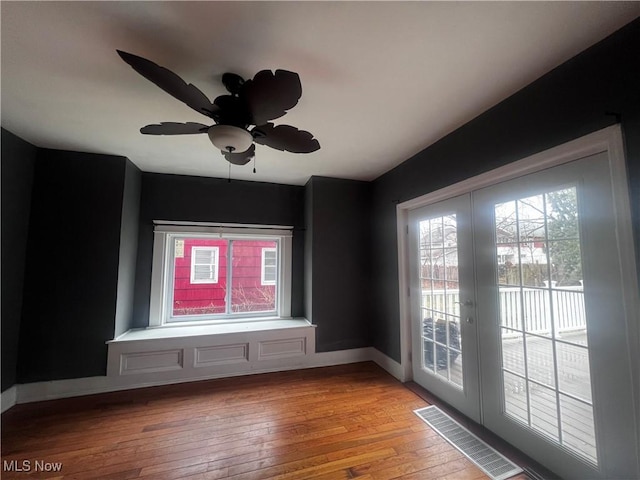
pixel 18 163
pixel 567 103
pixel 200 199
pixel 71 271
pixel 337 261
pixel 128 248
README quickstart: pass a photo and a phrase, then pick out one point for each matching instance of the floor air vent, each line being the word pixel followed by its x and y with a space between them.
pixel 488 459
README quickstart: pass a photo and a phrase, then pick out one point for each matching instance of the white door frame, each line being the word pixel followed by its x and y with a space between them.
pixel 607 140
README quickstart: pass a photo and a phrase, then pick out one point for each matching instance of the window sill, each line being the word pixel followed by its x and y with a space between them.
pixel 180 331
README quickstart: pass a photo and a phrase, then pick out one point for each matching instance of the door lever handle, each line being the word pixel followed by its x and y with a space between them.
pixel 466 303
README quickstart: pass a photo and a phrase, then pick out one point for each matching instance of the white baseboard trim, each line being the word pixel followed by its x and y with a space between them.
pixel 56 389
pixel 341 357
pixel 389 364
pixel 8 398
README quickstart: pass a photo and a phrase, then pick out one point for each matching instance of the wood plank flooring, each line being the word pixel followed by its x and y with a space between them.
pixel 350 421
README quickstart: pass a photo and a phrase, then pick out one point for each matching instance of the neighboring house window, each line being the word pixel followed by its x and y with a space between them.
pixel 269 266
pixel 220 273
pixel 204 264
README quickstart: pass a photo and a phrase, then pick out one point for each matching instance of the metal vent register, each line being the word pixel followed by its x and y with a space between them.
pixel 486 458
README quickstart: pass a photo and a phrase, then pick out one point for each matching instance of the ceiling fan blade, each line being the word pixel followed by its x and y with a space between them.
pixel 285 138
pixel 241 158
pixel 171 83
pixel 174 128
pixel 269 95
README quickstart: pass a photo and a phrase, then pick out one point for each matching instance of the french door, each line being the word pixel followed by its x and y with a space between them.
pixel 518 316
pixel 444 332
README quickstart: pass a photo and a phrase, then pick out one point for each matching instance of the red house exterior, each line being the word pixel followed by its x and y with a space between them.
pixel 201 276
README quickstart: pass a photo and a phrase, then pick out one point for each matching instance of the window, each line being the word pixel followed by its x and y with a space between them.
pixel 219 273
pixel 204 264
pixel 269 269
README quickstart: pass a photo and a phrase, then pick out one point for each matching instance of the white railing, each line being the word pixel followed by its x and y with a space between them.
pixel 533 304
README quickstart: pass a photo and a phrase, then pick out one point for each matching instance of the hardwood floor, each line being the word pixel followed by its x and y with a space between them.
pixel 351 421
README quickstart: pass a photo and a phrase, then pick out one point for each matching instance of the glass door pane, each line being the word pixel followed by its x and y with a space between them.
pixel 440 297
pixel 544 347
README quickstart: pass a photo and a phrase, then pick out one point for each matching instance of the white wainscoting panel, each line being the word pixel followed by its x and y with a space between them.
pixel 288 347
pixel 177 354
pixel 147 362
pixel 221 354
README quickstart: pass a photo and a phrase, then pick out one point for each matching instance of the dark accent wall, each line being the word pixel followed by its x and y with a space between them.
pixel 18 164
pixel 200 199
pixel 572 100
pixel 337 261
pixel 71 273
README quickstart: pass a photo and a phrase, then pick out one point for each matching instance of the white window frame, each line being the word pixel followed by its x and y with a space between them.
pixel 213 266
pixel 162 269
pixel 263 266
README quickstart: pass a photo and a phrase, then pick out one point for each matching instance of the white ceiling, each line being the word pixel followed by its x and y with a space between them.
pixel 381 80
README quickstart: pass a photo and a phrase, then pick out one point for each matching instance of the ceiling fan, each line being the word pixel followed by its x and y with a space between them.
pixel 241 118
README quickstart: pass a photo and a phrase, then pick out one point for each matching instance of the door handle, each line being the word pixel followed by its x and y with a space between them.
pixel 466 303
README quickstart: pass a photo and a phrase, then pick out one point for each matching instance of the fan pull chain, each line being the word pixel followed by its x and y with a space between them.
pixel 254 164
pixel 229 179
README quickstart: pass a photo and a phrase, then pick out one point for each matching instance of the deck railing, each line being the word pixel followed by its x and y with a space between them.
pixel 537 306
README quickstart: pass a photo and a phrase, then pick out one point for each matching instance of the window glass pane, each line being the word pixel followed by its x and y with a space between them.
pixel 540 360
pixel 531 219
pixel 428 354
pixel 533 264
pixel 505 218
pixel 199 276
pixel 508 265
pixel 573 370
pixel 569 315
pixel 451 267
pixel 269 266
pixel 544 410
pixel 248 294
pixel 562 214
pixel 510 307
pixel 578 432
pixel 537 310
pixel 450 231
pixel 566 263
pixel 515 396
pixel 512 351
pixel 579 337
pixel 455 373
pixel 449 350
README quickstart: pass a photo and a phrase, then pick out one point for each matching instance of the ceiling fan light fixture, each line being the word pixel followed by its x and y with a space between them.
pixel 269 95
pixel 229 138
